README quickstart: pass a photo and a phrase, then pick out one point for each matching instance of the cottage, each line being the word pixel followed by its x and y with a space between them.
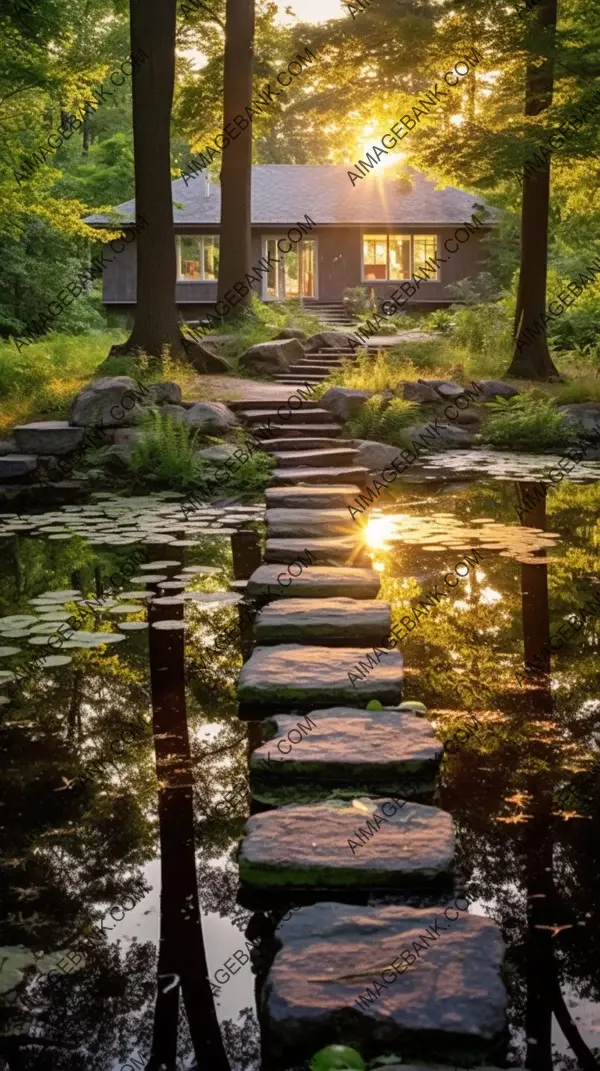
pixel 380 234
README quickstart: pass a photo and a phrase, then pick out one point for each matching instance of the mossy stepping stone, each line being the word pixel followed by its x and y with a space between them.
pixel 324 549
pixel 329 621
pixel 308 522
pixel 315 582
pixel 306 676
pixel 386 750
pixel 450 1004
pixel 328 844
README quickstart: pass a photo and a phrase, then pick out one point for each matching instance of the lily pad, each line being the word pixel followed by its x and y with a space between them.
pixel 109 637
pixel 167 564
pixel 16 621
pixel 51 661
pixel 198 570
pixel 150 578
pixel 15 634
pixel 165 626
pixel 6 652
pixel 6 675
pixel 126 608
pixel 133 626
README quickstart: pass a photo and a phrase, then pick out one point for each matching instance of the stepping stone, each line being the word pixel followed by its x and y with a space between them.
pixel 324 476
pixel 319 458
pixel 269 405
pixel 298 676
pixel 308 522
pixel 291 431
pixel 47 437
pixel 334 497
pixel 306 845
pixel 272 446
pixel 379 751
pixel 327 621
pixel 349 550
pixel 13 465
pixel 315 581
pixel 305 415
pixel 450 1004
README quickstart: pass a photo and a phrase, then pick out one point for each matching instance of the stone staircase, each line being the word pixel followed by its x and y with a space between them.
pixel 332 313
pixel 313 368
pixel 345 813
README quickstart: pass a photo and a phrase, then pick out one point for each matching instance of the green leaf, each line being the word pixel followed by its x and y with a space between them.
pixel 337 1058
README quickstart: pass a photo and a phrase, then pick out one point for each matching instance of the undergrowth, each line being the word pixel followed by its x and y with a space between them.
pixel 527 420
pixel 383 421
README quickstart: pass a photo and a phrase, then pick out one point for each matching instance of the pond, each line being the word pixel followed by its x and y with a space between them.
pixel 121 845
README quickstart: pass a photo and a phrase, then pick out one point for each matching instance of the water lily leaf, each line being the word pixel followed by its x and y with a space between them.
pixel 337 1058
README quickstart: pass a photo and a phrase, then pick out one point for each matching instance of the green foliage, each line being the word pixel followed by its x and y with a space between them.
pixel 382 420
pixel 250 478
pixel 337 1058
pixel 165 453
pixel 483 287
pixel 43 379
pixel 359 301
pixel 528 421
pixel 260 323
pixel 441 320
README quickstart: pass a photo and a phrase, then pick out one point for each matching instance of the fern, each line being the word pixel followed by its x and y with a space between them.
pixel 165 454
pixel 383 422
pixel 527 420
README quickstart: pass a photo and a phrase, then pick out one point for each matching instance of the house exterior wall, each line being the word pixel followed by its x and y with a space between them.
pixel 339 265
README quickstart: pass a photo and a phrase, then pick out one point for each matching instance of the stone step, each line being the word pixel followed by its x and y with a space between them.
pixel 315 582
pixel 303 846
pixel 349 550
pixel 384 751
pixel 302 677
pixel 319 476
pixel 332 622
pixel 300 416
pixel 334 497
pixel 295 523
pixel 270 446
pixel 317 458
pixel 14 465
pixel 292 431
pixel 297 381
pixel 449 1005
pixel 310 370
pixel 267 405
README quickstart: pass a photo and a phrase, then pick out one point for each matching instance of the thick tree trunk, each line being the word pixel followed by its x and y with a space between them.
pixel 531 359
pixel 156 321
pixel 236 167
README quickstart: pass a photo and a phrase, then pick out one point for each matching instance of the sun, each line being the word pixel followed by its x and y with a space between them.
pixel 372 134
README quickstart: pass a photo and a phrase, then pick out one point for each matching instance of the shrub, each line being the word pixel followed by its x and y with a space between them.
pixel 359 301
pixel 165 454
pixel 527 420
pixel 382 421
pixel 441 320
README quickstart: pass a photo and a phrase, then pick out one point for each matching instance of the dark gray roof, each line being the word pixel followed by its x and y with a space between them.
pixel 283 193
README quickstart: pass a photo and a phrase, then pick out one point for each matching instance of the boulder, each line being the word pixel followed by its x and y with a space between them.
pixel 375 456
pixel 203 360
pixel 449 435
pixel 47 437
pixel 273 356
pixel 165 393
pixel 124 439
pixel 418 392
pixel 495 388
pixel 344 402
pixel 7 447
pixel 444 388
pixel 113 401
pixel 585 416
pixel 177 412
pixel 211 417
pixel 218 454
pixel 331 340
pixel 290 332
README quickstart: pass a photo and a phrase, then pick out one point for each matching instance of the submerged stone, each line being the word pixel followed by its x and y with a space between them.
pixel 450 1005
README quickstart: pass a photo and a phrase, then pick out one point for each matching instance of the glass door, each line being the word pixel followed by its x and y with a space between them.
pixel 295 274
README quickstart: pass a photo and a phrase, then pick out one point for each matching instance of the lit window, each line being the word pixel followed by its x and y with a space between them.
pixel 397 256
pixel 198 257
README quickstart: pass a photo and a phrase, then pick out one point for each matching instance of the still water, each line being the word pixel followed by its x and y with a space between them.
pixel 120 841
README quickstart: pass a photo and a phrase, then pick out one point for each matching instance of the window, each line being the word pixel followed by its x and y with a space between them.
pixel 198 257
pixel 397 256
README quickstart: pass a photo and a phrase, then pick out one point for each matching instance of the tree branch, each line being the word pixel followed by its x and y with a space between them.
pixel 213 15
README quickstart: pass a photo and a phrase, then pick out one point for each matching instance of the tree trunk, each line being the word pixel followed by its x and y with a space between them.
pixel 156 321
pixel 236 167
pixel 531 359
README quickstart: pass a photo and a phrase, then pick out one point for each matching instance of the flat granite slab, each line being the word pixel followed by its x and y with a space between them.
pixel 308 522
pixel 319 458
pixel 347 549
pixel 449 1005
pixel 299 676
pixel 315 581
pixel 328 844
pixel 390 750
pixel 329 621
pixel 333 497
pixel 335 475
